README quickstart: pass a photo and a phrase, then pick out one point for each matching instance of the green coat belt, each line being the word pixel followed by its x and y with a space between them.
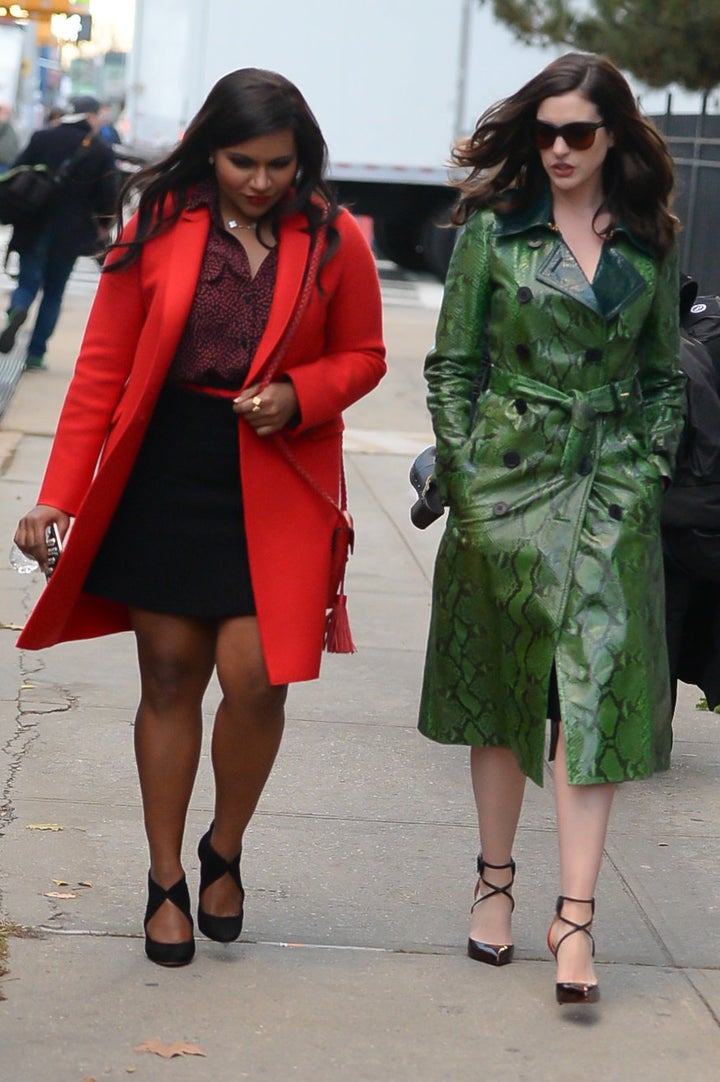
pixel 553 475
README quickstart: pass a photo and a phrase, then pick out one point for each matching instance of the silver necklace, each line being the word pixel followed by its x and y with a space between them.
pixel 234 224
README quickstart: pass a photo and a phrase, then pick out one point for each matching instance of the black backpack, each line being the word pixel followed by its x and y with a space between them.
pixel 702 323
pixel 27 191
pixel 693 499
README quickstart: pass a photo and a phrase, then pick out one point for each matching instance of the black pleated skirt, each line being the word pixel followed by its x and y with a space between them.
pixel 176 543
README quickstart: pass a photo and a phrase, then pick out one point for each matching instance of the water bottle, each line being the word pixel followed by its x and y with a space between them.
pixel 21 563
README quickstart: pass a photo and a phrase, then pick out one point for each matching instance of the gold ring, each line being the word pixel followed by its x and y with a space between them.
pixel 257 403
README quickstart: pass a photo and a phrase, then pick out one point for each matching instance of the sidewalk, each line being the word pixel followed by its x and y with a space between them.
pixel 359 864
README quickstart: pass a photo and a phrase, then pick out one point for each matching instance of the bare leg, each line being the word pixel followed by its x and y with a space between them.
pixel 499 786
pixel 583 812
pixel 175 656
pixel 248 730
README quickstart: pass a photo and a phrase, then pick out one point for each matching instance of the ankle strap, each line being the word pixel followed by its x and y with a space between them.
pixel 579 901
pixel 494 888
pixel 213 865
pixel 178 894
pixel 482 864
pixel 574 925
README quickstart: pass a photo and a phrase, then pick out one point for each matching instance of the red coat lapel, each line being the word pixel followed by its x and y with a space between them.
pixel 182 261
pixel 293 250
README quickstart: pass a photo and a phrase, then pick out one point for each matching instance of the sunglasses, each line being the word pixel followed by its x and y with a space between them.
pixel 579 136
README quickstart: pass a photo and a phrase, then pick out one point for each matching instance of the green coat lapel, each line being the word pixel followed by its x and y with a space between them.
pixel 617 281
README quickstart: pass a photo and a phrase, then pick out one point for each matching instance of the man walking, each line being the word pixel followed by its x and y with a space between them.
pixel 75 223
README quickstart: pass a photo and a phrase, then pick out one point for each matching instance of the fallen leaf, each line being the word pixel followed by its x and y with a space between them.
pixel 61 882
pixel 44 826
pixel 26 687
pixel 84 883
pixel 167 1051
pixel 59 894
pixel 10 627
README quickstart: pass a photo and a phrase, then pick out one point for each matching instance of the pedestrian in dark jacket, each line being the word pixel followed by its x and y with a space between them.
pixel 691 518
pixel 73 225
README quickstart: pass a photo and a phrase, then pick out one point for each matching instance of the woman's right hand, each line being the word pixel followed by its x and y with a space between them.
pixel 30 534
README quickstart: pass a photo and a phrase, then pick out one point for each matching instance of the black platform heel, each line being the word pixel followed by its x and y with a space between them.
pixel 493 954
pixel 570 991
pixel 169 954
pixel 212 868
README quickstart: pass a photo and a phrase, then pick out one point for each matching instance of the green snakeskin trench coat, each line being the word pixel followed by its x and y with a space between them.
pixel 551 551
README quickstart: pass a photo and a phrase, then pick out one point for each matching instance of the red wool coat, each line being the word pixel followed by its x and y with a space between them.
pixel 336 356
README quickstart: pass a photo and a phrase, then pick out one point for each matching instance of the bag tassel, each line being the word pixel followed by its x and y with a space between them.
pixel 338 637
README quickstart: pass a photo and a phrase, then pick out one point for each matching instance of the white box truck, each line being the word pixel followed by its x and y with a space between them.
pixel 393 83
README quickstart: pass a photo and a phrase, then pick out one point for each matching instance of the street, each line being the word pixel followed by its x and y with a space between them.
pixel 359 865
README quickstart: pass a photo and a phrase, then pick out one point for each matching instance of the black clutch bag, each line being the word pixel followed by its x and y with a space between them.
pixel 428 507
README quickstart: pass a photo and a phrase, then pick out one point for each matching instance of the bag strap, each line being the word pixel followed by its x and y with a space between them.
pixel 63 171
pixel 341 507
pixel 317 251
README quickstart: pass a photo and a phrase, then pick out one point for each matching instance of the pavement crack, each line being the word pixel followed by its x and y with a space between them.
pixel 644 916
pixel 671 962
pixel 26 728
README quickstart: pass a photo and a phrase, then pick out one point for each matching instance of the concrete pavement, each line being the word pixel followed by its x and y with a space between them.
pixel 359 865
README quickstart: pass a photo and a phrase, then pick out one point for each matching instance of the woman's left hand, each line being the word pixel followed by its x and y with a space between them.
pixel 269 411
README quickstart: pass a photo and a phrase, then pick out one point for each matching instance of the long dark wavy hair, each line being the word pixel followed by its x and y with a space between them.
pixel 506 171
pixel 242 105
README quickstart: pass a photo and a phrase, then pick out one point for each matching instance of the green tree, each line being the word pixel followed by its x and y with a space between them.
pixel 658 41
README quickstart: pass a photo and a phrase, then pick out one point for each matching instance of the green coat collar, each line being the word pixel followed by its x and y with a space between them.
pixel 539 214
pixel 617 281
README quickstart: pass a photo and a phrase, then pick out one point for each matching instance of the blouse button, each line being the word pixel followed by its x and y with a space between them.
pixel 500 508
pixel 524 294
pixel 585 466
pixel 535 242
pixel 593 355
pixel 615 511
pixel 521 405
pixel 511 459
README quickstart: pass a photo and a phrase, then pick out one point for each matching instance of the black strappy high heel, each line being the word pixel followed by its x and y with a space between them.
pixel 570 991
pixel 212 868
pixel 169 954
pixel 493 954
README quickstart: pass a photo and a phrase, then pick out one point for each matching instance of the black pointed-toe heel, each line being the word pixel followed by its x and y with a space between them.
pixel 571 991
pixel 212 868
pixel 493 954
pixel 169 954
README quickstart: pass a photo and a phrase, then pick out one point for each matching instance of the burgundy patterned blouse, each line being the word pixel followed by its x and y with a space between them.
pixel 230 309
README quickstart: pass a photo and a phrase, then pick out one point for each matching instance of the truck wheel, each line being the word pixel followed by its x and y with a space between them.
pixel 399 240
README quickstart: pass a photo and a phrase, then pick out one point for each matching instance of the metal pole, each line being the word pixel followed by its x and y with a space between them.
pixel 463 59
pixel 132 86
pixel 692 223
